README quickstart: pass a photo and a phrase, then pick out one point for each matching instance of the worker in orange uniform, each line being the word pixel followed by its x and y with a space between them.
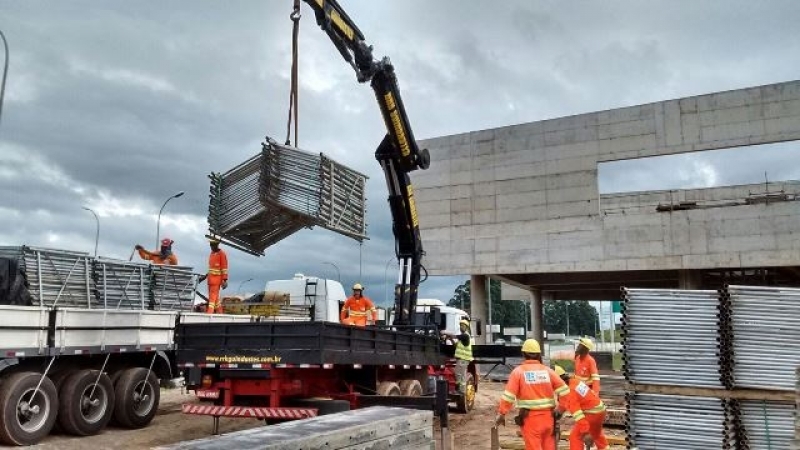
pixel 588 412
pixel 358 310
pixel 533 387
pixel 217 276
pixel 164 256
pixel 585 365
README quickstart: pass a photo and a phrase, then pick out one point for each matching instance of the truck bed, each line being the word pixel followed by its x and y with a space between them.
pixel 314 343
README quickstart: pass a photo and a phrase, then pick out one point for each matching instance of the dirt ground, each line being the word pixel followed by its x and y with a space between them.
pixel 471 431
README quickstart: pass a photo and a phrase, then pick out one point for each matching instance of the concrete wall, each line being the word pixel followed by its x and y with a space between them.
pixel 524 198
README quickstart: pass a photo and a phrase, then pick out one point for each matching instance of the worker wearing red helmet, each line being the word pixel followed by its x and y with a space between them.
pixel 164 256
pixel 217 276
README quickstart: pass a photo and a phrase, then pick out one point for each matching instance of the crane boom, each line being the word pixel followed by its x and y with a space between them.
pixel 398 153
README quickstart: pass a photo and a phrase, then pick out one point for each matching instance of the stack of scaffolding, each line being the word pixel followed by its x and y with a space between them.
pixel 679 422
pixel 56 277
pixel 281 191
pixel 718 344
pixel 62 278
pixel 666 332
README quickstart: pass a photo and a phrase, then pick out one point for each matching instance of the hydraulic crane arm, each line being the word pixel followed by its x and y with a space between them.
pixel 397 154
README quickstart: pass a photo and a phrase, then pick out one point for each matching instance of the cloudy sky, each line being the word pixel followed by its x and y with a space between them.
pixel 117 105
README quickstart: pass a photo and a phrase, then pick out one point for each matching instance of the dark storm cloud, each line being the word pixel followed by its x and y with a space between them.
pixel 118 105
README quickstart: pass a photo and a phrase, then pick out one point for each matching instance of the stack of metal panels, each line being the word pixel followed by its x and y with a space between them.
pixel 120 284
pixel 765 425
pixel 171 288
pixel 667 332
pixel 56 277
pixel 281 191
pixel 765 321
pixel 680 422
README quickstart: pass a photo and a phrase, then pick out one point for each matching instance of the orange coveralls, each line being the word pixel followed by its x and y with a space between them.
pixel 586 371
pixel 355 311
pixel 217 275
pixel 155 257
pixel 588 411
pixel 533 386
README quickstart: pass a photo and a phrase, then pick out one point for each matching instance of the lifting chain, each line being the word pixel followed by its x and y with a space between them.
pixel 293 100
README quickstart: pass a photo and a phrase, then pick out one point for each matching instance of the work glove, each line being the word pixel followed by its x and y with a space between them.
pixel 138 247
pixel 587 440
pixel 500 420
pixel 225 284
pixel 202 278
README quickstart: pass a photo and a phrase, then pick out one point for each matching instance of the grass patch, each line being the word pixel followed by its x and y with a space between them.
pixel 616 361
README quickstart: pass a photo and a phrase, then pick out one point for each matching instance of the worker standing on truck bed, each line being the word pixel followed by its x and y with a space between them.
pixel 164 256
pixel 588 412
pixel 217 276
pixel 463 355
pixel 533 387
pixel 358 310
pixel 585 365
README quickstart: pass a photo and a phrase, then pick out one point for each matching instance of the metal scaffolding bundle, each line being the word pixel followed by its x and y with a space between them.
pixel 765 425
pixel 281 191
pixel 56 277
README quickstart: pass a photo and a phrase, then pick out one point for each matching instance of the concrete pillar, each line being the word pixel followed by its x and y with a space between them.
pixel 537 316
pixel 689 279
pixel 477 309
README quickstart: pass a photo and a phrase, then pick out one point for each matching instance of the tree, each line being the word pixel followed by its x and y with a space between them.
pixel 504 313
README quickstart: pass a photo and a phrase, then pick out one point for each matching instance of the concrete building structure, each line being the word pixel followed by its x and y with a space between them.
pixel 521 203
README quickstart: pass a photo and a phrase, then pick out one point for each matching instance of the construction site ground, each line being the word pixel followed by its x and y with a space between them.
pixel 171 426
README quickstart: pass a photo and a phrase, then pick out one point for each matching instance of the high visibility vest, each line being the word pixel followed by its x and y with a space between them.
pixel 464 352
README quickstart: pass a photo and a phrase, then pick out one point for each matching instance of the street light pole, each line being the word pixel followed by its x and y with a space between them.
pixel 97 229
pixel 385 282
pixel 566 302
pixel 242 284
pixel 158 222
pixel 338 275
pixel 5 72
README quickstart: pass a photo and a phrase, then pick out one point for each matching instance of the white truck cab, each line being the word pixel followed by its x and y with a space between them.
pixel 326 295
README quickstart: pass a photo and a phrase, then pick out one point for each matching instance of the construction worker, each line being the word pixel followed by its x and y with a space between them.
pixel 463 355
pixel 164 256
pixel 585 365
pixel 217 276
pixel 358 310
pixel 588 412
pixel 533 387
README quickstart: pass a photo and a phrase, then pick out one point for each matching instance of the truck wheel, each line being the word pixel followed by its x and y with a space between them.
pixel 466 401
pixel 411 388
pixel 85 409
pixel 323 406
pixel 27 417
pixel 137 398
pixel 388 388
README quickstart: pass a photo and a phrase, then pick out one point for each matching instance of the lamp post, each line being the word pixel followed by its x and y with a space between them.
pixel 158 222
pixel 97 229
pixel 566 302
pixel 242 284
pixel 5 72
pixel 385 282
pixel 338 274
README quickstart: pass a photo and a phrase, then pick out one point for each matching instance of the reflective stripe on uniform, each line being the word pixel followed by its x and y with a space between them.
pixel 509 397
pixel 544 403
pixel 597 409
pixel 562 391
pixel 595 376
pixel 578 415
pixel 356 313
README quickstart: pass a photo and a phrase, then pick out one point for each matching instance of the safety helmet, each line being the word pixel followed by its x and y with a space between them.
pixel 358 287
pixel 213 240
pixel 586 342
pixel 166 242
pixel 531 346
pixel 559 370
pixel 464 322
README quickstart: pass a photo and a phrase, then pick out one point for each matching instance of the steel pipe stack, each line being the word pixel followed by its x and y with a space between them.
pixel 672 337
pixel 56 277
pixel 678 422
pixel 281 191
pixel 765 325
pixel 766 425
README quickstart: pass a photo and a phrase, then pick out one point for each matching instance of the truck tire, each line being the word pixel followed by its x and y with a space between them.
pixel 411 388
pixel 21 425
pixel 137 396
pixel 323 406
pixel 388 389
pixel 79 414
pixel 465 402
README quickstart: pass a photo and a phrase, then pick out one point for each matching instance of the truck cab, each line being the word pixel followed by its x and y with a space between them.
pixel 325 295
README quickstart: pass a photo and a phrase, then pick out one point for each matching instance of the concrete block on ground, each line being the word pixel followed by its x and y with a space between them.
pixel 375 428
